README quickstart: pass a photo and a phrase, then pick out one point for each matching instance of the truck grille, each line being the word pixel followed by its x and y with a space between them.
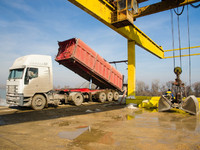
pixel 12 89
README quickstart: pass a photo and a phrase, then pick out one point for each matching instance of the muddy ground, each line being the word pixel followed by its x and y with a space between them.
pixel 112 126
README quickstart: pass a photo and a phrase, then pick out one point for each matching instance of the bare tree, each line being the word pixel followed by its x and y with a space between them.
pixel 158 89
pixel 163 89
pixel 188 90
pixel 147 91
pixel 155 88
pixel 196 87
pixel 142 89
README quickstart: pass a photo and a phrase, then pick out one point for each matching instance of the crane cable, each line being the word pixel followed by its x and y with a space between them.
pixel 178 14
pixel 179 34
pixel 188 25
pixel 195 6
pixel 172 25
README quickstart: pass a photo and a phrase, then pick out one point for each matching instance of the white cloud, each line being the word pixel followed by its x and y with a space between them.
pixel 20 5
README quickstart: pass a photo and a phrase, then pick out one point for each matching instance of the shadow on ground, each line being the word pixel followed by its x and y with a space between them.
pixel 24 114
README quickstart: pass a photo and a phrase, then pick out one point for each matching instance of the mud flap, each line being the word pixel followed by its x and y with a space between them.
pixel 164 104
pixel 190 105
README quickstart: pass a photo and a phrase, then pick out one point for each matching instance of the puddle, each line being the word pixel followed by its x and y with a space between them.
pixel 71 135
pixel 82 141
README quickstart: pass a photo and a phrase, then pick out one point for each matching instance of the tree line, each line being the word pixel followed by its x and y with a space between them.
pixel 156 88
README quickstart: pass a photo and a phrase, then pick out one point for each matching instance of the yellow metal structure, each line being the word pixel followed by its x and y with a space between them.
pixel 162 6
pixel 104 13
pixel 185 48
pixel 131 69
pixel 182 55
pixel 123 15
pixel 181 48
pixel 107 3
pixel 141 39
pixel 149 101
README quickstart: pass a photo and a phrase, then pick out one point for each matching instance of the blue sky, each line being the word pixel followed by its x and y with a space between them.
pixel 34 27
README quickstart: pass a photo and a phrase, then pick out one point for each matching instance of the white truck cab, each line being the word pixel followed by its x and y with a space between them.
pixel 30 78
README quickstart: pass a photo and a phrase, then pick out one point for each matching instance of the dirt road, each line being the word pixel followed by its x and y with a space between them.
pixel 112 126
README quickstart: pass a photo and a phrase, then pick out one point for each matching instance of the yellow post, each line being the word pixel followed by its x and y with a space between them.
pixel 131 70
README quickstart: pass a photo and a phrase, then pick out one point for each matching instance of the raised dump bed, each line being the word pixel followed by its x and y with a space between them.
pixel 81 59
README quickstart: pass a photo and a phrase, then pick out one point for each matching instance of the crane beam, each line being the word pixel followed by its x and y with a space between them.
pixel 185 48
pixel 162 6
pixel 141 39
pixel 104 13
pixel 181 56
pixel 181 48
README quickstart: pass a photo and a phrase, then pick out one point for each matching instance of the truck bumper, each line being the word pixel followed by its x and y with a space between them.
pixel 17 100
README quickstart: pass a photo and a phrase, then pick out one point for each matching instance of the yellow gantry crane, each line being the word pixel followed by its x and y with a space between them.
pixel 119 15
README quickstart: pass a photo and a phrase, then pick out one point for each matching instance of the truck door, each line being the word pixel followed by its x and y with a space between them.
pixel 31 82
pixel 45 80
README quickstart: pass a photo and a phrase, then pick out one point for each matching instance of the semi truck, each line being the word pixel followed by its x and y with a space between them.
pixel 30 81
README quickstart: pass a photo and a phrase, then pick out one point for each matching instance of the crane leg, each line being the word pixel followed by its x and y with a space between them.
pixel 131 69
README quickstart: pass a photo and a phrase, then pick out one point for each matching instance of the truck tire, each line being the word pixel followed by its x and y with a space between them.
pixel 102 97
pixel 115 95
pixel 38 102
pixel 77 99
pixel 109 96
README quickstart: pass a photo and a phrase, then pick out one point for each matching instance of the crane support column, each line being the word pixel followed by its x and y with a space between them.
pixel 131 70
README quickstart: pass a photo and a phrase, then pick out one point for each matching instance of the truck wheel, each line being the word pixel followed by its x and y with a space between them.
pixel 115 95
pixel 102 97
pixel 38 102
pixel 109 96
pixel 77 99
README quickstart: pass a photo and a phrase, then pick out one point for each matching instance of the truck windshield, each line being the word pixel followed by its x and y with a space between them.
pixel 16 74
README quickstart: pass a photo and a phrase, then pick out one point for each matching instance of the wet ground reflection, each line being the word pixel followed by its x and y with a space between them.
pixel 166 130
pixel 168 120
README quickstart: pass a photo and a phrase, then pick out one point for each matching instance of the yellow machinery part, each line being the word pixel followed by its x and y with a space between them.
pixel 148 101
pixel 162 6
pixel 104 13
pixel 177 49
pixel 182 55
pixel 177 70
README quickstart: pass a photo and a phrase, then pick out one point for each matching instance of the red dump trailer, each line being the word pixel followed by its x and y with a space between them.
pixel 81 59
